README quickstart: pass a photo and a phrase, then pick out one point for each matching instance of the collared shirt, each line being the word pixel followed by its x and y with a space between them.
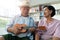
pixel 22 20
pixel 53 29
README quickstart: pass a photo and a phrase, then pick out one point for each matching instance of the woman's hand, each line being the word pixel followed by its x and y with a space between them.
pixel 43 28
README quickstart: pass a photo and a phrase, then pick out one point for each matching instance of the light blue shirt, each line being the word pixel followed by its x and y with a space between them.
pixel 22 20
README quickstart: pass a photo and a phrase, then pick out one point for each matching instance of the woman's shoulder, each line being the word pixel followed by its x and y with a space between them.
pixel 42 19
pixel 57 21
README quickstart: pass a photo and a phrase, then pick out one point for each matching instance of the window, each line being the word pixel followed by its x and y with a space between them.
pixel 8 9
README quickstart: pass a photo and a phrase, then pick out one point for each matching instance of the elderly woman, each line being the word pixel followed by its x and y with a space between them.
pixel 52 25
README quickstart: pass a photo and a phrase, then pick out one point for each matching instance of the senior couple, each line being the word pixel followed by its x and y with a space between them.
pixel 16 26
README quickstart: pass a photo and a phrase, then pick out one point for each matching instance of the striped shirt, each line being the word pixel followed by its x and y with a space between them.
pixel 22 20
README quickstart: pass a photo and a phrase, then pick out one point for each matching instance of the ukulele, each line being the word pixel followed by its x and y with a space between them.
pixel 23 28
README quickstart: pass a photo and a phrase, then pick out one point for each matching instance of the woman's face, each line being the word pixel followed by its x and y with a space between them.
pixel 47 12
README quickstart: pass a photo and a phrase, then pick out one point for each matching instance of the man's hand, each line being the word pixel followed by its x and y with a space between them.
pixel 32 29
pixel 18 31
pixel 13 30
pixel 18 28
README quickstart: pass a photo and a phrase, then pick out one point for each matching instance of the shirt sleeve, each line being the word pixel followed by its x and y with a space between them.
pixel 10 23
pixel 57 32
pixel 33 22
pixel 40 22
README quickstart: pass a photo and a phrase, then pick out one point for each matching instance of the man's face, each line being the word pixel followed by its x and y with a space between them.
pixel 47 12
pixel 24 10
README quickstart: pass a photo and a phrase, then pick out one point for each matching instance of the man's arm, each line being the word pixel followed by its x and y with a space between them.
pixel 13 30
pixel 33 25
pixel 16 29
pixel 10 26
pixel 10 29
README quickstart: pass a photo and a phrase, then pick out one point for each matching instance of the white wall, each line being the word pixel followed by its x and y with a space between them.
pixel 57 6
pixel 36 2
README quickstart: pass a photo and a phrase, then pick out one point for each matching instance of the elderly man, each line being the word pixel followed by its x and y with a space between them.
pixel 14 28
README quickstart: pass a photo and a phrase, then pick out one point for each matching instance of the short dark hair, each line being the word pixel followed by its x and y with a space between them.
pixel 51 8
